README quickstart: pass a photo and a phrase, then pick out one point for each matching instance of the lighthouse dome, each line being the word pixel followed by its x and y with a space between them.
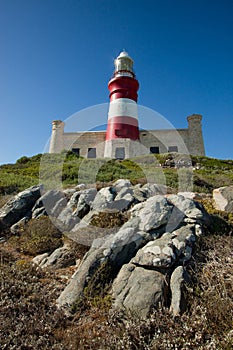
pixel 124 64
pixel 124 54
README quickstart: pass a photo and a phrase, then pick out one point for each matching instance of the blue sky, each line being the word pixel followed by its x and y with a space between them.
pixel 56 57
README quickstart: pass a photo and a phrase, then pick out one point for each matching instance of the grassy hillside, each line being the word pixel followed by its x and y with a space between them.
pixel 68 169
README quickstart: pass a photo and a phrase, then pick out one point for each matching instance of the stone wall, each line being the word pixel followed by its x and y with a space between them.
pixel 92 143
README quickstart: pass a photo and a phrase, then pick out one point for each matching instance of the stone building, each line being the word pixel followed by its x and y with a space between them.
pixel 123 138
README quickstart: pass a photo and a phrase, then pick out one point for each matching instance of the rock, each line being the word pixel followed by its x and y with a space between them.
pixel 59 206
pixel 153 213
pixel 223 198
pixel 159 253
pixel 66 219
pixel 190 195
pixel 185 208
pixel 123 245
pixel 104 198
pixel 184 239
pixel 38 212
pixel 69 192
pixel 61 257
pixel 177 284
pixel 74 290
pixel 77 208
pixel 84 201
pixel 121 204
pixel 80 187
pixel 115 249
pixel 19 206
pixel 18 227
pixel 82 196
pixel 37 260
pixel 159 236
pixel 49 200
pixel 139 194
pixel 139 290
pixel 121 184
pixel 123 193
pixel 151 189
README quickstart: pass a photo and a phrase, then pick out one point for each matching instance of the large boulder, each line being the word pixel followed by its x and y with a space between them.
pixel 119 198
pixel 104 198
pixel 153 213
pixel 48 201
pixel 223 198
pixel 77 208
pixel 159 253
pixel 139 290
pixel 122 184
pixel 19 206
pixel 187 210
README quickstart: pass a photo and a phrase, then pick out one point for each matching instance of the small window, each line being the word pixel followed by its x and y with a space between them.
pixel 76 151
pixel 154 150
pixel 91 153
pixel 122 132
pixel 120 153
pixel 172 149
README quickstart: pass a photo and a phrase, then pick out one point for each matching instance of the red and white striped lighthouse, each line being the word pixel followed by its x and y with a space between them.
pixel 122 129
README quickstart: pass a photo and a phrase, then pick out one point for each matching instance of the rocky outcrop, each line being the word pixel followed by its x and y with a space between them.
pixel 147 254
pixel 223 198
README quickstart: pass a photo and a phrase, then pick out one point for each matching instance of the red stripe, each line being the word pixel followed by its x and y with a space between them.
pixel 122 130
pixel 123 87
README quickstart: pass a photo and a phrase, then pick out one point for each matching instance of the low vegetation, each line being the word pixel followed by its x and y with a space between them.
pixel 68 169
pixel 29 318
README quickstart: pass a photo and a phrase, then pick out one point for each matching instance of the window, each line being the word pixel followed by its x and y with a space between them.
pixel 120 153
pixel 122 132
pixel 154 150
pixel 91 153
pixel 172 149
pixel 76 151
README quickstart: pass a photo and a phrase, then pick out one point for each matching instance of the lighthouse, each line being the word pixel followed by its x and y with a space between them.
pixel 122 135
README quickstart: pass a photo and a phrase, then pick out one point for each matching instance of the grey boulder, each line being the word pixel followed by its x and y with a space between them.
pixel 152 213
pixel 18 206
pixel 223 198
pixel 139 290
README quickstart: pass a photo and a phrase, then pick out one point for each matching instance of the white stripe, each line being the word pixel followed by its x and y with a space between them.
pixel 123 107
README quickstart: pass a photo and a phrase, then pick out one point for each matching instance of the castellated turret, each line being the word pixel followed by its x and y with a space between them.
pixel 57 140
pixel 195 140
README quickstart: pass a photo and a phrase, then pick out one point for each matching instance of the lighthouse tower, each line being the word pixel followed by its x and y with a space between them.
pixel 122 136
